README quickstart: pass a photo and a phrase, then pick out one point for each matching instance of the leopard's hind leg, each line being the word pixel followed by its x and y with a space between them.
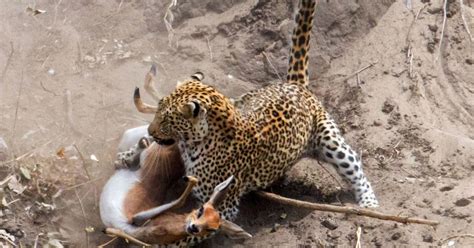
pixel 328 144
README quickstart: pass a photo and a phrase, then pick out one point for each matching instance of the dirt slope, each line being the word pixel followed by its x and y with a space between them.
pixel 410 114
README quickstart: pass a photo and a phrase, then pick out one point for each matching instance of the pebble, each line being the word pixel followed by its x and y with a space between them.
pixel 433 28
pixel 470 61
pixel 396 236
pixel 377 123
pixel 275 227
pixel 329 224
pixel 428 238
pixel 462 202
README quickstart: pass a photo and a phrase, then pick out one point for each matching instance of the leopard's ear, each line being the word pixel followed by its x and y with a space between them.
pixel 198 76
pixel 192 110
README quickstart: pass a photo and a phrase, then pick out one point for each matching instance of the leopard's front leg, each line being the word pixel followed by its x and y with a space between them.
pixel 130 159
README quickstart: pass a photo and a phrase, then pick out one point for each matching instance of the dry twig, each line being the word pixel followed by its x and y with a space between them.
pixel 83 161
pixel 68 104
pixel 442 29
pixel 345 209
pixel 17 105
pixel 330 174
pixel 209 47
pixel 168 20
pixel 272 66
pixel 108 242
pixel 124 235
pixel 358 234
pixel 84 217
pixel 466 26
pixel 466 235
pixel 359 71
pixel 12 50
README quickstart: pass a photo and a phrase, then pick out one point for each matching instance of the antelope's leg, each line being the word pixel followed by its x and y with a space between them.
pixel 140 218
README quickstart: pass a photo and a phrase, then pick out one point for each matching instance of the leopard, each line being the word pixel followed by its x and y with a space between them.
pixel 260 135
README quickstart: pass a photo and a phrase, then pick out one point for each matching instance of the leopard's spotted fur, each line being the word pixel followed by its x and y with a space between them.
pixel 260 135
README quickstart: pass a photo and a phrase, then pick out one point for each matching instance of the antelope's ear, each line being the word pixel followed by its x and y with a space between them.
pixel 220 191
pixel 192 110
pixel 233 230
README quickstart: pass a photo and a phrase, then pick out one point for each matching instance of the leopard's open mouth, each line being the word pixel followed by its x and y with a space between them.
pixel 165 142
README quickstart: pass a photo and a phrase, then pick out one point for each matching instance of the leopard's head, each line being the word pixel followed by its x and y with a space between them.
pixel 189 113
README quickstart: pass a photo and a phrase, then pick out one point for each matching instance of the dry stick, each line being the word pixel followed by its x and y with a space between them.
pixel 168 20
pixel 466 235
pixel 209 46
pixel 68 103
pixel 56 12
pixel 83 161
pixel 17 104
pixel 271 65
pixel 359 71
pixel 44 88
pixel 345 209
pixel 410 71
pixel 333 177
pixel 108 242
pixel 358 234
pixel 124 235
pixel 466 26
pixel 84 216
pixel 8 61
pixel 442 30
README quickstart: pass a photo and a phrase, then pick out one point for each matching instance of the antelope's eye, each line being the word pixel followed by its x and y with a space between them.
pixel 200 212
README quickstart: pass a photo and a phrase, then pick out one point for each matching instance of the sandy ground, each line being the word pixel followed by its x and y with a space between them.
pixel 411 114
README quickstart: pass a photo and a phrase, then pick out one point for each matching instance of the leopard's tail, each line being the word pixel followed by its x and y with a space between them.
pixel 298 64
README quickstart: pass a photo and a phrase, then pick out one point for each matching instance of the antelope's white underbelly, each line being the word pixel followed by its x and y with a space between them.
pixel 113 197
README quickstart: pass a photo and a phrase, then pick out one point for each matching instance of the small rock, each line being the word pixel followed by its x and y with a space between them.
pixel 446 188
pixel 434 10
pixel 51 71
pixel 396 236
pixel 462 202
pixel 388 107
pixel 377 123
pixel 470 61
pixel 427 238
pixel 89 59
pixel 433 28
pixel 329 224
pixel 275 227
pixel 283 216
pixel 292 224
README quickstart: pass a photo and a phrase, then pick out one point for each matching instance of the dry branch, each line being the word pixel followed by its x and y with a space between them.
pixel 466 26
pixel 12 50
pixel 272 66
pixel 83 216
pixel 442 29
pixel 84 164
pixel 345 209
pixel 68 104
pixel 467 235
pixel 122 234
pixel 359 71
